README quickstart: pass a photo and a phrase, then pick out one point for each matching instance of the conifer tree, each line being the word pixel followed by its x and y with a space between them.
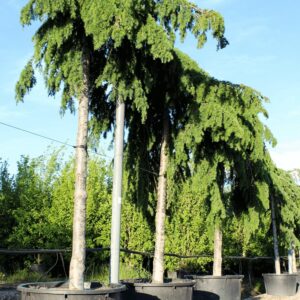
pixel 63 53
pixel 152 142
pixel 284 203
pixel 213 128
pixel 225 132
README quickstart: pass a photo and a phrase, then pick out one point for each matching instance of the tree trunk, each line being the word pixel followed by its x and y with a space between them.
pixel 77 265
pixel 275 238
pixel 294 258
pixel 117 194
pixel 217 266
pixel 158 262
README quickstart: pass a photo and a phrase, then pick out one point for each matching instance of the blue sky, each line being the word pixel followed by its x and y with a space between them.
pixel 263 53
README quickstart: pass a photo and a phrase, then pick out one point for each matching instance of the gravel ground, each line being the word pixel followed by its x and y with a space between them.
pixel 268 297
pixel 9 293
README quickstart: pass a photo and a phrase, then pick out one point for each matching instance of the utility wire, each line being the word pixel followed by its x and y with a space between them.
pixel 48 138
pixel 37 134
pixel 66 144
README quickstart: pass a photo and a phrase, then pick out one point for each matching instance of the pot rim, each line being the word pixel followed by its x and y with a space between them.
pixel 279 275
pixel 216 277
pixel 175 283
pixel 43 289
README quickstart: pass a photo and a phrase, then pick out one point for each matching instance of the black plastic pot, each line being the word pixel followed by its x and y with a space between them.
pixel 217 287
pixel 173 290
pixel 281 284
pixel 59 290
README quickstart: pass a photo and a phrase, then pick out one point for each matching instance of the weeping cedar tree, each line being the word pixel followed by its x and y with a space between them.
pixel 150 144
pixel 63 52
pixel 225 136
pixel 204 127
pixel 284 197
pixel 279 196
pixel 65 44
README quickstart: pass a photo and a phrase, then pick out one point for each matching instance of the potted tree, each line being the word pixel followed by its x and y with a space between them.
pixel 65 54
pixel 221 157
pixel 284 195
pixel 167 101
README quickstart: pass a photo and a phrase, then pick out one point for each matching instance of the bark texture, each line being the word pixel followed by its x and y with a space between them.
pixel 275 238
pixel 218 238
pixel 158 262
pixel 294 259
pixel 117 194
pixel 77 265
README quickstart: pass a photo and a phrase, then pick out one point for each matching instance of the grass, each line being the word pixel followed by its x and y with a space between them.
pixel 24 275
pixel 94 273
pixel 126 272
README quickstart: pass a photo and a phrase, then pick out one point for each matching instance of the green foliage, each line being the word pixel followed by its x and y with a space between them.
pixel 126 272
pixel 26 82
pixel 24 275
pixel 33 201
pixel 286 195
pixel 187 232
pixel 118 36
pixel 7 203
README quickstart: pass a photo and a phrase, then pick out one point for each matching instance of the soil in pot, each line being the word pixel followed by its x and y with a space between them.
pixel 217 287
pixel 60 290
pixel 281 284
pixel 170 290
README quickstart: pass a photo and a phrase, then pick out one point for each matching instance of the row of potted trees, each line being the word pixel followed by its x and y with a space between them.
pixel 188 117
pixel 102 54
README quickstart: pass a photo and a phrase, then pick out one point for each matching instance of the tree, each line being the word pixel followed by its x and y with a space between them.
pixel 284 203
pixel 33 201
pixel 227 133
pixel 8 203
pixel 62 52
pixel 170 97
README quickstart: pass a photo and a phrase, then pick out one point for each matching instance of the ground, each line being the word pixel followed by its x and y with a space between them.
pixel 8 293
pixel 268 297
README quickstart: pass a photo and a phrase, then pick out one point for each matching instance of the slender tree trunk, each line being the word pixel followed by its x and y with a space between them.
pixel 158 263
pixel 294 258
pixel 275 238
pixel 217 266
pixel 77 265
pixel 290 261
pixel 117 194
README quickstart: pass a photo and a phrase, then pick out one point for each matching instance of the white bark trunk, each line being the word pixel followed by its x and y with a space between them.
pixel 290 261
pixel 117 194
pixel 294 259
pixel 77 265
pixel 275 238
pixel 158 262
pixel 217 266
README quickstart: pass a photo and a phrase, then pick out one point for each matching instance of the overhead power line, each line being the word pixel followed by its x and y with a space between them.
pixel 37 134
pixel 64 143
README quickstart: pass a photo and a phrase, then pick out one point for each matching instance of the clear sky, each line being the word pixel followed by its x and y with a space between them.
pixel 263 53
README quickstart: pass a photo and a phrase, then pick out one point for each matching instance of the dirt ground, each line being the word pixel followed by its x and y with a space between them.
pixel 268 297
